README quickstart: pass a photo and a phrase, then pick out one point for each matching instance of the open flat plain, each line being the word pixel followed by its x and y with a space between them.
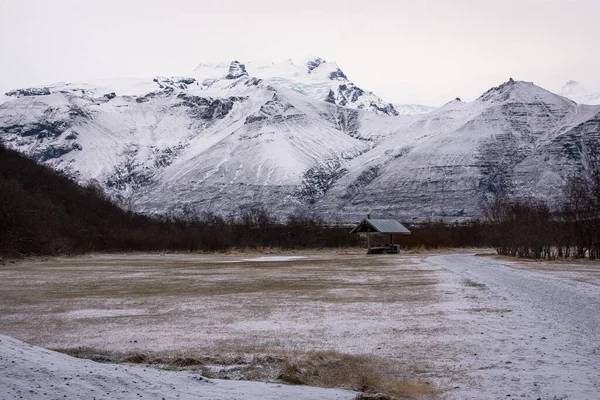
pixel 467 326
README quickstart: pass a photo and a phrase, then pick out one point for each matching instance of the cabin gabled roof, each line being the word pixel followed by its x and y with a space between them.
pixel 380 226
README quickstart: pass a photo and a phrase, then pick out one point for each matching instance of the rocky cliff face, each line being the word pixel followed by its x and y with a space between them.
pixel 220 144
pixel 236 70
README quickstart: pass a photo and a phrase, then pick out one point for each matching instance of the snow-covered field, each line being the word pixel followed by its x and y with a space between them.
pixel 476 327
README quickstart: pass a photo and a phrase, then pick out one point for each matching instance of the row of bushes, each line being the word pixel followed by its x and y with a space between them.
pixel 529 229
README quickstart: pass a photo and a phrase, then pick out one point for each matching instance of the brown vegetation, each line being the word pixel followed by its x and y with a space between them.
pixel 366 374
pixel 360 373
pixel 529 229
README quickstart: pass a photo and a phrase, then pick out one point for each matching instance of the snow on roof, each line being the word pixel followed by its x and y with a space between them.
pixel 380 226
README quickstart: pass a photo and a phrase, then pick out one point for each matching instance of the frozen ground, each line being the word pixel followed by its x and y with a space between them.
pixel 526 333
pixel 477 326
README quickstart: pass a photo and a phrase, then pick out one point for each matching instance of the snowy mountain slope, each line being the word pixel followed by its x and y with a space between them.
pixel 574 91
pixel 265 155
pixel 88 134
pixel 219 144
pixel 237 140
pixel 511 141
pixel 565 155
pixel 316 78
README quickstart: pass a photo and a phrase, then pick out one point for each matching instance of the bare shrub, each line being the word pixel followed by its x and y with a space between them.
pixel 360 373
pixel 582 204
pixel 522 228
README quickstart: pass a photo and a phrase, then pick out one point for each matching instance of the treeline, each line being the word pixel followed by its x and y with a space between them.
pixel 436 234
pixel 529 229
pixel 43 212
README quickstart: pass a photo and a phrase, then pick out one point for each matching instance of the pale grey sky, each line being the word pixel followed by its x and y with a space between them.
pixel 426 52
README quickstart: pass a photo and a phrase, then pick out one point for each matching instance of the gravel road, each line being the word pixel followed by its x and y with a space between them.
pixel 550 339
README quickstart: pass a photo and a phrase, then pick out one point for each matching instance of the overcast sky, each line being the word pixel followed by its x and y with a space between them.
pixel 426 52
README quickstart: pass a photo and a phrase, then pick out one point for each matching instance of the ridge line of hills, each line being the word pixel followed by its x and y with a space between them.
pixel 291 141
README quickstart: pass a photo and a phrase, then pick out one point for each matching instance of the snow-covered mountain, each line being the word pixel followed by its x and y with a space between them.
pixel 314 77
pixel 516 139
pixel 221 141
pixel 167 142
pixel 574 91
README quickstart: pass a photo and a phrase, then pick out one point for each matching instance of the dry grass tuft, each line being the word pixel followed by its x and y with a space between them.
pixel 369 375
pixel 90 354
pixel 417 249
pixel 133 358
pixel 360 373
pixel 490 310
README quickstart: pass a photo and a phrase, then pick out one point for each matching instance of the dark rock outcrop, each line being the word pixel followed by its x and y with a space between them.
pixel 43 91
pixel 314 63
pixel 236 70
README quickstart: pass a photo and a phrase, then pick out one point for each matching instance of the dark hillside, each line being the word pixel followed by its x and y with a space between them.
pixel 44 212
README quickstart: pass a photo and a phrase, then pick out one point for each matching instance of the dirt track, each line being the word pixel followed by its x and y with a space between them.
pixel 549 342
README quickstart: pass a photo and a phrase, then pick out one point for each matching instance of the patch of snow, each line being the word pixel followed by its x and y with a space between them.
pixel 524 333
pixel 275 258
pixel 103 313
pixel 32 372
pixel 413 109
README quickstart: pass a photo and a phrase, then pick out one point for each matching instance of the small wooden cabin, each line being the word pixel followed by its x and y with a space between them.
pixel 390 227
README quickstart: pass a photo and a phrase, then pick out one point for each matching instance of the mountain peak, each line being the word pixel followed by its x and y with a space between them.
pixel 236 70
pixel 314 77
pixel 505 90
pixel 314 62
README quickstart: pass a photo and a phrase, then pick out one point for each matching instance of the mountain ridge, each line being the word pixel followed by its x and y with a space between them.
pixel 218 144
